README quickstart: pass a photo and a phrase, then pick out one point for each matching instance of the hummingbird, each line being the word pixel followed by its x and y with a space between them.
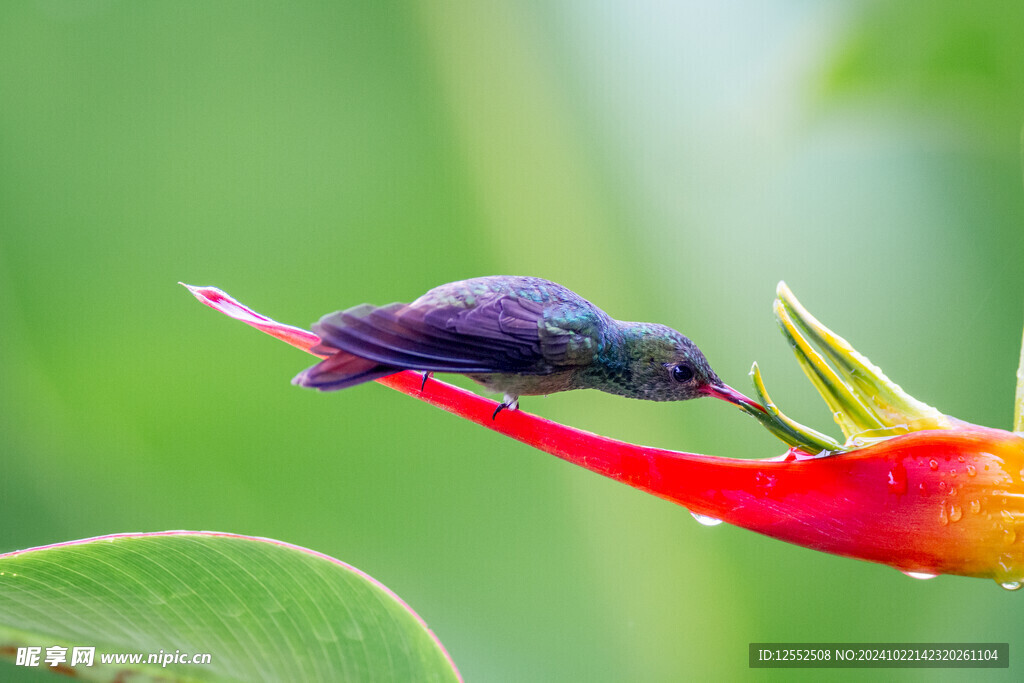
pixel 515 336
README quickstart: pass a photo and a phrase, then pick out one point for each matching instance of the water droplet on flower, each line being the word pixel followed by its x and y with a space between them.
pixel 955 513
pixel 705 520
pixel 942 486
pixel 898 479
pixel 971 470
pixel 952 473
pixel 1011 585
pixel 975 506
pixel 924 576
pixel 1009 536
pixel 934 464
pixel 943 517
pixel 923 489
pixel 764 482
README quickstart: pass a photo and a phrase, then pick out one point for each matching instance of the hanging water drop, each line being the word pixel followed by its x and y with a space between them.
pixel 1011 585
pixel 705 520
pixel 924 576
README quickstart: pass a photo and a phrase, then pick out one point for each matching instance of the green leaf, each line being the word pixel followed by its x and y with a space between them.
pixel 262 609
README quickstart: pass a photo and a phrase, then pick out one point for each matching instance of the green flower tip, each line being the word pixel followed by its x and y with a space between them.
pixel 865 403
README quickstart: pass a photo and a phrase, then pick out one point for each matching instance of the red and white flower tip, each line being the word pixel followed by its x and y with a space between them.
pixel 908 487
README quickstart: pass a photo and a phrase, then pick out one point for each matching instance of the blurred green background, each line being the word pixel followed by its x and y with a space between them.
pixel 669 161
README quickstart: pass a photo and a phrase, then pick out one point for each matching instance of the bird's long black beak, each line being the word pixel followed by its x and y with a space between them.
pixel 727 393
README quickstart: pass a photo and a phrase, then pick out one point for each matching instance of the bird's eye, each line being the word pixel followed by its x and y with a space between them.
pixel 682 373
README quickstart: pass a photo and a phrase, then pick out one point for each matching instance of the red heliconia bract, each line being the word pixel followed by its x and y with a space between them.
pixel 927 501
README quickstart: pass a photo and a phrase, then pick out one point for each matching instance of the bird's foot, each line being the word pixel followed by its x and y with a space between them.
pixel 510 402
pixel 426 376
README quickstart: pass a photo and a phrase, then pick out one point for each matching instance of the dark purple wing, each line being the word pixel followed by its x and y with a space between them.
pixel 499 335
pixel 482 326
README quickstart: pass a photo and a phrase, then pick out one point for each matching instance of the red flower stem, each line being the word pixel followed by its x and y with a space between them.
pixel 639 466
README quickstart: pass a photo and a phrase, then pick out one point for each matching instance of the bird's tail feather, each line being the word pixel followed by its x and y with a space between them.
pixel 341 370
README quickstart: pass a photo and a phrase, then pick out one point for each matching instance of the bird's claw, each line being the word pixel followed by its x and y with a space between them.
pixel 510 402
pixel 426 376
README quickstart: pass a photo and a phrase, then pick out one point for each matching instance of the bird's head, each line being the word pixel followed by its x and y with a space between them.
pixel 664 365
